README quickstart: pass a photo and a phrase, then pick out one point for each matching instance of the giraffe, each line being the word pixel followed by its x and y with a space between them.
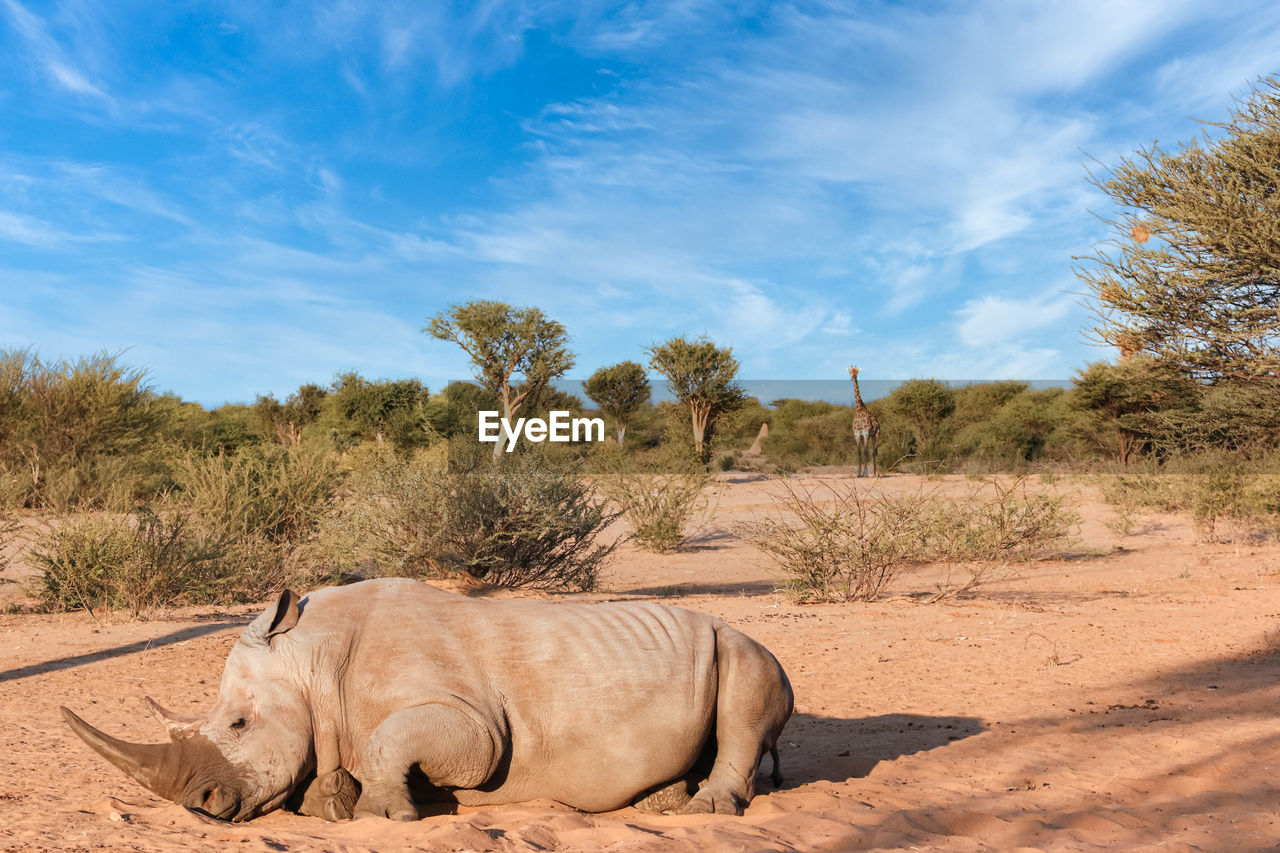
pixel 865 430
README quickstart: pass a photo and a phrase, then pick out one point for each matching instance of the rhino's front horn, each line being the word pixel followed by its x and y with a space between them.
pixel 156 766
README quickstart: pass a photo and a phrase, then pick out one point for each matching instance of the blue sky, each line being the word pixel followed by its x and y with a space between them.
pixel 247 196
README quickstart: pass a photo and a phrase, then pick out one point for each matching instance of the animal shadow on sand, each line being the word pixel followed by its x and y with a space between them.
pixel 835 749
pixel 813 749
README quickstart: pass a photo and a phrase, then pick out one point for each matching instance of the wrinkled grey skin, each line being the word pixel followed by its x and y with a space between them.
pixel 596 706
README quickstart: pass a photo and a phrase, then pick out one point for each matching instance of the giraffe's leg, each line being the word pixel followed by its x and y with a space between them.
pixel 875 464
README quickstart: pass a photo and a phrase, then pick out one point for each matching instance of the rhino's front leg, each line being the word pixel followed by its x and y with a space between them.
pixel 331 796
pixel 452 746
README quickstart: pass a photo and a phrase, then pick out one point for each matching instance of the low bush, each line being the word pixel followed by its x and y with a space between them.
pixel 133 563
pixel 523 520
pixel 235 529
pixel 978 538
pixel 834 544
pixel 661 499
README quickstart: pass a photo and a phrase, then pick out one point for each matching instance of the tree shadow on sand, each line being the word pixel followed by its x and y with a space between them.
pixel 126 649
pixel 835 749
pixel 710 588
pixel 1224 789
pixel 710 540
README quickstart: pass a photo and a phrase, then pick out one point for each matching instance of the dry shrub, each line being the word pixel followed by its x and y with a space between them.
pixel 846 544
pixel 524 520
pixel 9 529
pixel 662 500
pixel 835 544
pixel 980 537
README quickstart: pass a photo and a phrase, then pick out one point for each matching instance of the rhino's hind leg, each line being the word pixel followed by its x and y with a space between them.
pixel 451 746
pixel 753 703
pixel 669 799
pixel 331 796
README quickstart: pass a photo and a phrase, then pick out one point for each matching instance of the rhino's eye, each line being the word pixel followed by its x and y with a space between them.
pixel 239 724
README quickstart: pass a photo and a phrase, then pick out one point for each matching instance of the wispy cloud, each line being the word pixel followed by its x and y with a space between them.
pixel 49 55
pixel 30 231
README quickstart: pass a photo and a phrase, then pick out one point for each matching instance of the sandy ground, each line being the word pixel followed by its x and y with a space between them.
pixel 1121 698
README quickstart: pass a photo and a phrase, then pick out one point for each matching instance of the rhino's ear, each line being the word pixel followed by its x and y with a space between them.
pixel 276 619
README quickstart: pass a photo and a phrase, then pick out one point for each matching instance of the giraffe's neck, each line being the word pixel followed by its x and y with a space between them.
pixel 857 395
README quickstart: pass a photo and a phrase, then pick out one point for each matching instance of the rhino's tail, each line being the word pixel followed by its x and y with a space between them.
pixel 776 775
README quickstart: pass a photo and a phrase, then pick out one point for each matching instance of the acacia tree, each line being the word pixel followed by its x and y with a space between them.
pixel 701 376
pixel 503 341
pixel 619 391
pixel 286 420
pixel 925 404
pixel 1193 276
pixel 1124 399
pixel 385 409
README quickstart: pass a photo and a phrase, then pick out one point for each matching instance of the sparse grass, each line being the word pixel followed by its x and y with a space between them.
pixel 1225 500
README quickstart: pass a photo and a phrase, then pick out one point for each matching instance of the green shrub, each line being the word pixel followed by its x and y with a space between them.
pixel 659 496
pixel 803 433
pixel 1018 431
pixel 924 404
pixel 123 562
pixel 76 434
pixel 260 510
pixel 265 492
pixel 519 520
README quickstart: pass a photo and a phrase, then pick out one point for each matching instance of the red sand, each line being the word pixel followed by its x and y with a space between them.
pixel 1119 698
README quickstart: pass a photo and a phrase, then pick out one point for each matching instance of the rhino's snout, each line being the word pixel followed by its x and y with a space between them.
pixel 190 770
pixel 217 801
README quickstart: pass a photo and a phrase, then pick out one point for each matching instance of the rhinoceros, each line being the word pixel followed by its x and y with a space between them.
pixel 334 702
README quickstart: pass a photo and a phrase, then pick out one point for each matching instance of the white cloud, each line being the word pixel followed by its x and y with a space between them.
pixel 50 55
pixel 990 319
pixel 31 231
